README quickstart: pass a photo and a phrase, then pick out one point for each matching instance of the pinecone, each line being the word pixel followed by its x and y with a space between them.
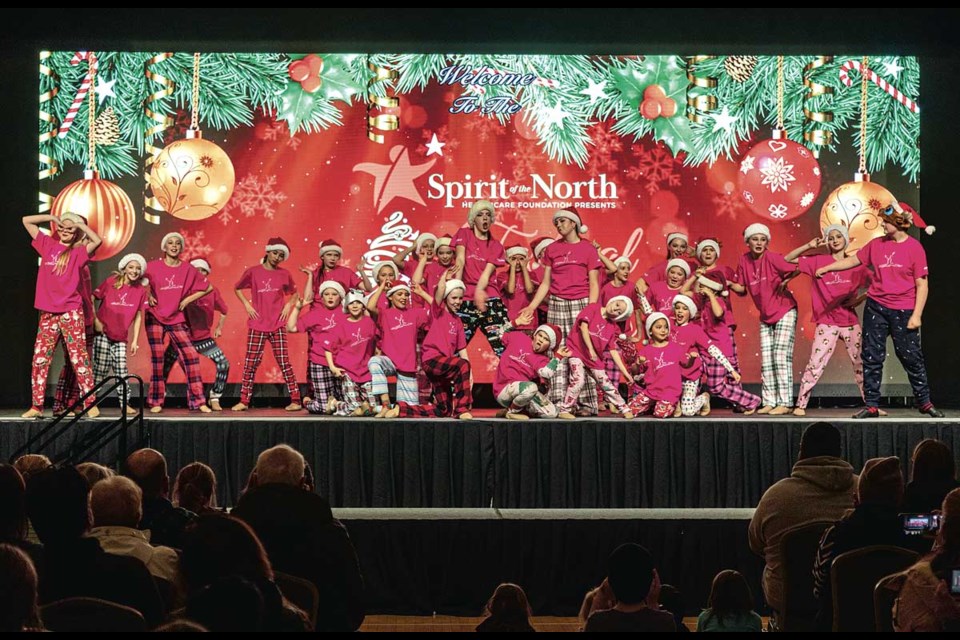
pixel 740 67
pixel 106 129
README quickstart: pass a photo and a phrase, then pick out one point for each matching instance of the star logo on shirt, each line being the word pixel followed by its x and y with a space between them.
pixel 122 300
pixel 598 332
pixel 358 338
pixel 395 180
pixel 564 259
pixel 267 286
pixel 331 324
pixel 890 264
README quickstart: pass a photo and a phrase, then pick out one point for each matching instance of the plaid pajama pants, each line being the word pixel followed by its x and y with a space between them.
pixel 824 342
pixel 720 386
pixel 109 354
pixel 278 344
pixel 51 327
pixel 578 376
pixel 525 397
pixel 354 395
pixel 424 386
pixel 691 401
pixel 642 403
pixel 489 321
pixel 450 376
pixel 381 367
pixel 628 352
pixel 325 386
pixel 776 366
pixel 563 313
pixel 210 350
pixel 180 339
pixel 68 391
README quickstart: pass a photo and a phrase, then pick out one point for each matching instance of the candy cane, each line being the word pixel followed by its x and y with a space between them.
pixel 895 93
pixel 82 93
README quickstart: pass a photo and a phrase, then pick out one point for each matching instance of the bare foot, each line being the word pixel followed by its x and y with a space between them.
pixel 566 415
pixel 511 415
pixel 204 409
pixel 215 405
pixel 749 412
pixel 131 411
pixel 779 410
pixel 764 409
pixel 156 409
pixel 799 411
pixel 93 412
pixel 239 407
pixel 32 412
pixel 392 412
pixel 293 406
pixel 627 415
pixel 465 416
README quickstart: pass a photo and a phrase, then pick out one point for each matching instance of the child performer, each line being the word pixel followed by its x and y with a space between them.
pixel 708 254
pixel 68 392
pixel 571 277
pixel 833 299
pixel 320 322
pixel 199 322
pixel 695 342
pixel 895 301
pixel 478 257
pixel 445 358
pixel 619 284
pixel 397 326
pixel 517 283
pixel 348 349
pixel 424 246
pixel 269 285
pixel 660 365
pixel 538 246
pixel 760 273
pixel 595 332
pixel 57 298
pixel 123 297
pixel 660 294
pixel 678 247
pixel 523 362
pixel 174 285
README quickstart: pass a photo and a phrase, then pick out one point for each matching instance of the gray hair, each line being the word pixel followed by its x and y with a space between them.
pixel 116 501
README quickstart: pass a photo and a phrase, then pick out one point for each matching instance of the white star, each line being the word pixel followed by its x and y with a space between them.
pixel 893 68
pixel 746 166
pixel 435 146
pixel 555 115
pixel 723 120
pixel 105 89
pixel 595 90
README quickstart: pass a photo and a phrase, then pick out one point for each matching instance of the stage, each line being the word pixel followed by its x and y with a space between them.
pixel 721 461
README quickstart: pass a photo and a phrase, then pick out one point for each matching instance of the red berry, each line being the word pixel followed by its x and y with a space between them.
pixel 311 84
pixel 668 107
pixel 298 70
pixel 654 91
pixel 650 109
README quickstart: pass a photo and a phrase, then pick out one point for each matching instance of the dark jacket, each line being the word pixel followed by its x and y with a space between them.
pixel 165 522
pixel 924 498
pixel 303 539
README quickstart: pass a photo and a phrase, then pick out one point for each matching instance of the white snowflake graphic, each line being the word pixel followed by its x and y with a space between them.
pixel 490 360
pixel 253 196
pixel 273 374
pixel 807 199
pixel 728 205
pixel 605 144
pixel 194 244
pixel 747 165
pixel 777 175
pixel 485 127
pixel 816 171
pixel 294 142
pixel 777 211
pixel 748 196
pixel 657 166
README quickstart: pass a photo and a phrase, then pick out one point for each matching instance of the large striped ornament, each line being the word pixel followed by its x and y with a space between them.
pixel 107 208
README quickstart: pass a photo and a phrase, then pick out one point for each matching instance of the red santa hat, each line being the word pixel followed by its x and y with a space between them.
pixel 330 245
pixel 571 213
pixel 553 332
pixel 516 250
pixel 278 244
pixel 540 245
pixel 675 235
pixel 915 218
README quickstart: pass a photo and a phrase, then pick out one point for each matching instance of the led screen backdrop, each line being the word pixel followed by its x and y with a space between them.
pixel 373 149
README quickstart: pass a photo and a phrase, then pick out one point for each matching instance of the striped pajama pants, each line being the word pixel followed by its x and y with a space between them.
pixel 186 354
pixel 525 397
pixel 256 340
pixel 776 365
pixel 354 395
pixel 563 313
pixel 210 350
pixel 380 368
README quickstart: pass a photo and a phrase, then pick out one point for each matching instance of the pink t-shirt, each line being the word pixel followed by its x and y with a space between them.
pixel 269 289
pixel 538 274
pixel 570 266
pixel 352 345
pixel 661 296
pixel 895 267
pixel 662 374
pixel 516 302
pixel 691 337
pixel 170 285
pixel 477 255
pixel 658 272
pixel 518 362
pixel 398 335
pixel 762 277
pixel 58 293
pixel 603 336
pixel 119 307
pixel 347 279
pixel 717 329
pixel 321 323
pixel 445 337
pixel 829 294
pixel 200 314
pixel 611 290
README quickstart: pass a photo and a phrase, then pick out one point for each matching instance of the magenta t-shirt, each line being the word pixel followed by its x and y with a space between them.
pixel 570 266
pixel 538 275
pixel 518 362
pixel 723 275
pixel 520 299
pixel 170 285
pixel 829 294
pixel 691 337
pixel 320 322
pixel 347 279
pixel 611 290
pixel 445 337
pixel 662 374
pixel 661 296
pixel 200 314
pixel 118 307
pixel 477 255
pixel 895 267
pixel 398 335
pixel 762 277
pixel 603 335
pixel 717 329
pixel 352 345
pixel 58 293
pixel 269 289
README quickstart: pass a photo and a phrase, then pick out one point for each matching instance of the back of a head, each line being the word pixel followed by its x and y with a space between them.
pixel 94 473
pixel 148 468
pixel 881 482
pixel 231 603
pixel 13 504
pixel 116 502
pixel 630 573
pixel 280 464
pixel 820 439
pixel 18 591
pixel 58 504
pixel 933 464
pixel 30 464
pixel 217 545
pixel 508 600
pixel 195 488
pixel 729 595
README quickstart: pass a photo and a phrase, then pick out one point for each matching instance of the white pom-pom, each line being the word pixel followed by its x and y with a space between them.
pixel 645 341
pixel 144 281
pixel 725 293
pixel 930 229
pixel 623 336
pixel 584 228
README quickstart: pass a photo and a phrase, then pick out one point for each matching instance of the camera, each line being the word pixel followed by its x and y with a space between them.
pixel 918 524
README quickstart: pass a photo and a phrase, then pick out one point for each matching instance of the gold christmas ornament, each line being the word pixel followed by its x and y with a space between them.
pixel 740 68
pixel 192 179
pixel 107 208
pixel 855 205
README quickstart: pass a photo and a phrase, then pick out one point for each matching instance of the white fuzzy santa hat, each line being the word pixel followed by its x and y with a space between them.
pixel 571 213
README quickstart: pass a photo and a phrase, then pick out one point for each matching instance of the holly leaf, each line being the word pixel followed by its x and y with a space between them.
pixel 671 75
pixel 631 81
pixel 296 105
pixel 338 83
pixel 675 132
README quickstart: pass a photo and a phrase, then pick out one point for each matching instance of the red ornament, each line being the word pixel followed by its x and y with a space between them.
pixel 779 179
pixel 107 208
pixel 523 123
